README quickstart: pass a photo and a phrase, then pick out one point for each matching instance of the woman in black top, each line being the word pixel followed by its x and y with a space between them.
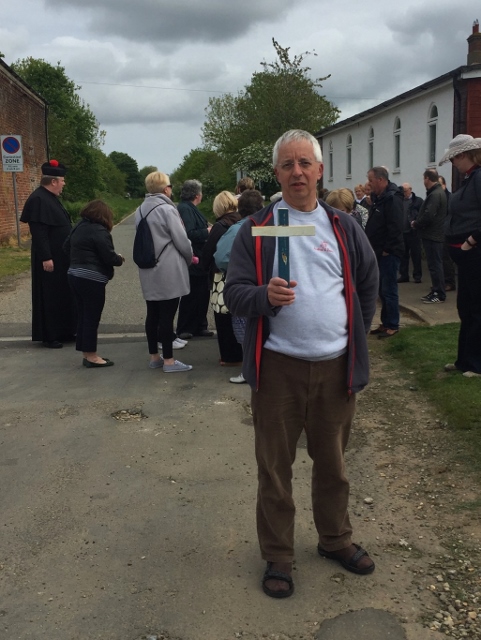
pixel 463 234
pixel 92 261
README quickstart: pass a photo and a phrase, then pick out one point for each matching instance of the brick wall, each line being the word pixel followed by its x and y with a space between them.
pixel 22 112
pixel 473 107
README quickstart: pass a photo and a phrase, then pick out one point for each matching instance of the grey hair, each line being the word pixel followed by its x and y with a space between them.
pixel 296 135
pixel 190 189
pixel 380 173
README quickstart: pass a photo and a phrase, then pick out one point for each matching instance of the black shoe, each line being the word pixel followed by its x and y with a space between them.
pixel 402 280
pixel 53 344
pixel 95 365
pixel 205 333
pixel 417 281
pixel 186 335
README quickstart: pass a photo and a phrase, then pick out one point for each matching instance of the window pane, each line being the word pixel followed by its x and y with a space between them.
pixel 432 143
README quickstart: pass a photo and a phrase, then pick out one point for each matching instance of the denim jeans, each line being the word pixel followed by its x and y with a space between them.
pixel 388 291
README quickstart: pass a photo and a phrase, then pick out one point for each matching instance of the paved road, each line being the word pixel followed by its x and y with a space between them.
pixel 128 496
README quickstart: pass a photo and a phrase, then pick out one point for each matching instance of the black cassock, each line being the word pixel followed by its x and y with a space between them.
pixel 53 307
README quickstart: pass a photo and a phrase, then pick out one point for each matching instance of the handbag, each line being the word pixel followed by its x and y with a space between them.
pixel 217 293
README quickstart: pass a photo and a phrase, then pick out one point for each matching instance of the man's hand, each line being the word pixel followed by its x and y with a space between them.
pixel 279 294
pixel 48 265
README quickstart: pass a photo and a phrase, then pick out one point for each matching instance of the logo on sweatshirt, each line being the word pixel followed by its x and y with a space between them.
pixel 324 247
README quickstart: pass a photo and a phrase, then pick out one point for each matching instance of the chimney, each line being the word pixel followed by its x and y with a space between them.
pixel 474 45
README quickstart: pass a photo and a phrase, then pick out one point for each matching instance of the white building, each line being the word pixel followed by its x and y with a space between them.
pixel 408 133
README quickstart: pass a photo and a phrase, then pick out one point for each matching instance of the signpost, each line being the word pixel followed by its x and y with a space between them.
pixel 12 162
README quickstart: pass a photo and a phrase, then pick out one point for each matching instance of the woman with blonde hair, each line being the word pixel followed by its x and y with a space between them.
pixel 164 284
pixel 226 213
pixel 344 200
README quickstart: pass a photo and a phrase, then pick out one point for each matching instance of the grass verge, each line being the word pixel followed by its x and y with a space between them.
pixel 424 351
pixel 13 260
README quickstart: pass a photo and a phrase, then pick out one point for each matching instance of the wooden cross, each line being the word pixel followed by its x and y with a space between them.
pixel 282 232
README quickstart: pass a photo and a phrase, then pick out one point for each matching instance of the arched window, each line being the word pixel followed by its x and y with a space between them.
pixel 370 149
pixel 397 143
pixel 331 160
pixel 349 156
pixel 432 133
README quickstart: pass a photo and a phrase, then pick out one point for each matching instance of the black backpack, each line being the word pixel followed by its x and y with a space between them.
pixel 144 253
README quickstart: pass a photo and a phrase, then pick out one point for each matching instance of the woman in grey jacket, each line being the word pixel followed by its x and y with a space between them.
pixel 164 284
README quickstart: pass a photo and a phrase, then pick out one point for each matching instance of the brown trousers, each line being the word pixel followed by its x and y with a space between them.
pixel 294 395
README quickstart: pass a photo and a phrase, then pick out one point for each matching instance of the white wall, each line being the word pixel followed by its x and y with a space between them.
pixel 414 141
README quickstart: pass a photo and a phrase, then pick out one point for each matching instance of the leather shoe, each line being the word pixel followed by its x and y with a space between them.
pixel 205 333
pixel 95 365
pixel 53 344
pixel 186 336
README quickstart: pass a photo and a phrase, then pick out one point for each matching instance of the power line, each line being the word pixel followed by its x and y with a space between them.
pixel 145 86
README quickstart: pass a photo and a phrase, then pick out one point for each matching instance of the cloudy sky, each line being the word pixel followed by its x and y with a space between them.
pixel 148 67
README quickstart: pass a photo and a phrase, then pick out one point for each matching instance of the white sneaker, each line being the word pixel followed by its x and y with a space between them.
pixel 238 379
pixel 176 344
pixel 471 374
pixel 180 341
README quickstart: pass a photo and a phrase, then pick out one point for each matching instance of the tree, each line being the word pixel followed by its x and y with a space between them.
pixel 256 161
pixel 209 168
pixel 112 180
pixel 144 172
pixel 73 130
pixel 128 166
pixel 280 97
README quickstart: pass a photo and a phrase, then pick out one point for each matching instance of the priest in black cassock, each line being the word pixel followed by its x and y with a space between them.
pixel 53 307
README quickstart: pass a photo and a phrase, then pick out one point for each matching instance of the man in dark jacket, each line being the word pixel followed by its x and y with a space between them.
pixel 430 222
pixel 192 317
pixel 53 307
pixel 384 229
pixel 305 357
pixel 412 239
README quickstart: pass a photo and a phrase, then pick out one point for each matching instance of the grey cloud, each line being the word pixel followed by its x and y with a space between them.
pixel 179 21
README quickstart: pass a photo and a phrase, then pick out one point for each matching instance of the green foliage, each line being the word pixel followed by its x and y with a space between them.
pixel 256 160
pixel 280 97
pixel 208 167
pixel 121 206
pixel 144 172
pixel 73 130
pixel 424 351
pixel 134 184
pixel 111 179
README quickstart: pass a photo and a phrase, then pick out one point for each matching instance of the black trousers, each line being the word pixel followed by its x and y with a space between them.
pixel 89 298
pixel 159 325
pixel 230 350
pixel 434 257
pixel 413 249
pixel 469 308
pixel 193 307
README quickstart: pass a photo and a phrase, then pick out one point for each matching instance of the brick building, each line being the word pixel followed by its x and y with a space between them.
pixel 409 132
pixel 22 112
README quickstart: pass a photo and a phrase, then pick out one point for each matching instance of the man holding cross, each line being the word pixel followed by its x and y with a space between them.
pixel 305 355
